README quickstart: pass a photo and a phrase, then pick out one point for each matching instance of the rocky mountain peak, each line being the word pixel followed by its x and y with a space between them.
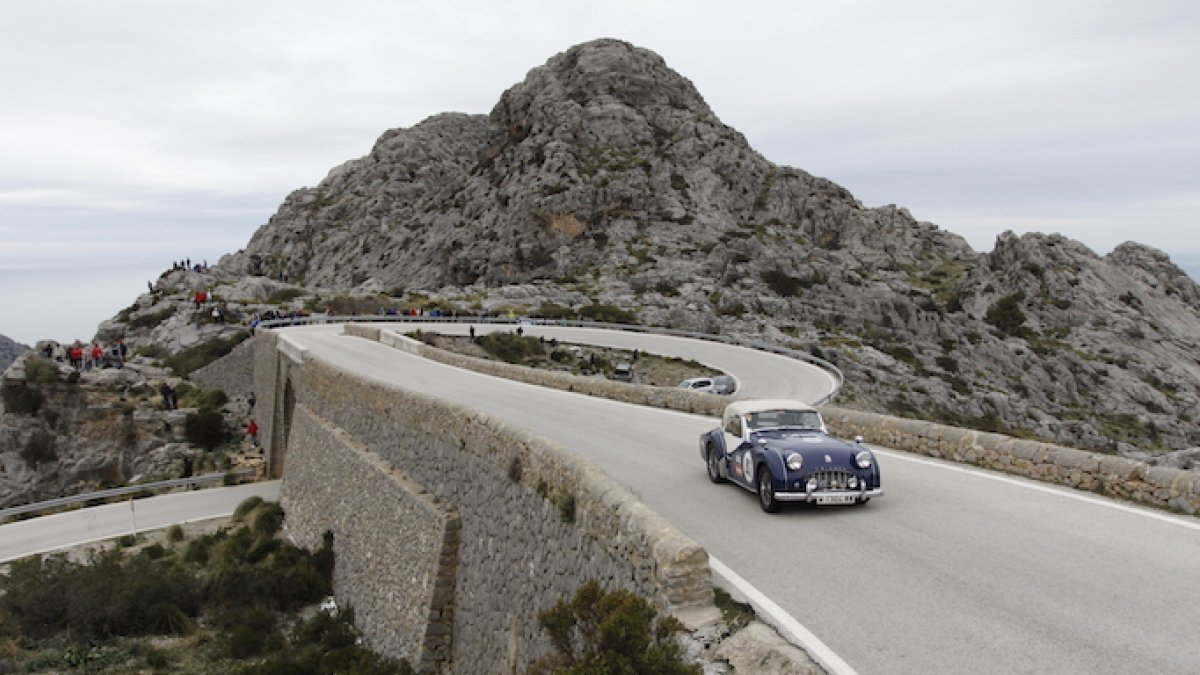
pixel 590 93
pixel 603 178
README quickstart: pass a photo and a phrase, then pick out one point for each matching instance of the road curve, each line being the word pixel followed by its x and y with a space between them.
pixel 83 526
pixel 759 374
pixel 954 570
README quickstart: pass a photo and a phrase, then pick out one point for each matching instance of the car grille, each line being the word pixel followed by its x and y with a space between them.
pixel 831 480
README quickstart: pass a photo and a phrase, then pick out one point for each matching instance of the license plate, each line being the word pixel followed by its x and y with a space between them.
pixel 835 499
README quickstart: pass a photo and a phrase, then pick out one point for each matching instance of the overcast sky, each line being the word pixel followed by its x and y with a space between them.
pixel 133 134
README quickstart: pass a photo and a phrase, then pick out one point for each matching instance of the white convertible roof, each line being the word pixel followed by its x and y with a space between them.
pixel 759 405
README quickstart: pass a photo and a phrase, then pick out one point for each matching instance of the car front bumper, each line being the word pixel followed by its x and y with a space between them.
pixel 829 496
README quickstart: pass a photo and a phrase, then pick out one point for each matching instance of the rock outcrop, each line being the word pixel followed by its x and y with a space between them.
pixel 9 351
pixel 604 177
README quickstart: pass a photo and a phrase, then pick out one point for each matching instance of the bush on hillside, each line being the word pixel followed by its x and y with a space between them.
pixel 40 371
pixel 22 399
pixel 39 449
pixel 203 354
pixel 607 314
pixel 205 428
pixel 602 631
pixel 510 347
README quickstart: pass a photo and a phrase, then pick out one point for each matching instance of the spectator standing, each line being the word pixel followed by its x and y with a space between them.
pixel 252 432
pixel 169 396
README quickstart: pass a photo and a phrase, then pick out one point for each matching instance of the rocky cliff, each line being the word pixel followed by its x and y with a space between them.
pixel 9 351
pixel 604 177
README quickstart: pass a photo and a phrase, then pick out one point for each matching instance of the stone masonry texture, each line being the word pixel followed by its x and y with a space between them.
pixel 534 522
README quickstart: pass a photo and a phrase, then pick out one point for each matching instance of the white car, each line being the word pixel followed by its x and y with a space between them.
pixel 720 384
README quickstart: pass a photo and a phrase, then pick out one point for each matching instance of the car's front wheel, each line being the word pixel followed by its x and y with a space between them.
pixel 766 491
pixel 714 465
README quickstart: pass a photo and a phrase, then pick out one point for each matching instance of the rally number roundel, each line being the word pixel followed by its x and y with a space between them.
pixel 748 466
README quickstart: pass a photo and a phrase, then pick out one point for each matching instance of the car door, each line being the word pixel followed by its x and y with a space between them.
pixel 737 453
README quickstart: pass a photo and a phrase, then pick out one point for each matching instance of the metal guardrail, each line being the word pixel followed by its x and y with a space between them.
pixel 317 319
pixel 117 492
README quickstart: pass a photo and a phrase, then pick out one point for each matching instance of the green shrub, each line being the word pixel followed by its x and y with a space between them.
pixel 610 632
pixel 111 595
pixel 511 347
pixel 40 371
pixel 782 283
pixel 205 428
pixel 607 314
pixel 247 632
pixel 175 534
pixel 282 295
pixel 39 449
pixel 203 354
pixel 267 519
pixel 326 643
pixel 22 399
pixel 1006 315
pixel 549 310
pixel 152 319
pixel 246 507
pixel 197 397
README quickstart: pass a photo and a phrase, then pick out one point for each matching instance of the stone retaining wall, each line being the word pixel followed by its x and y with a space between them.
pixel 232 373
pixel 1163 487
pixel 386 517
pixel 534 521
pixel 1120 477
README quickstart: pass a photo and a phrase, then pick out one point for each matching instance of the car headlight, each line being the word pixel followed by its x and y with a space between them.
pixel 863 459
pixel 794 462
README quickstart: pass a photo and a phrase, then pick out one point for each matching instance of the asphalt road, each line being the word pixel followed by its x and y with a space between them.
pixel 72 528
pixel 759 374
pixel 954 570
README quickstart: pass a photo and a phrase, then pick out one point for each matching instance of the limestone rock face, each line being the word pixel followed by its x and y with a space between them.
pixel 604 177
pixel 9 351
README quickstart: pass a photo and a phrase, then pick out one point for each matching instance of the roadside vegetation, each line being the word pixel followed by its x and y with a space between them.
pixel 238 600
pixel 584 360
pixel 599 632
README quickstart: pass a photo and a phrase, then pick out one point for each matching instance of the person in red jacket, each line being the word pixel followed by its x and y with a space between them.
pixel 252 432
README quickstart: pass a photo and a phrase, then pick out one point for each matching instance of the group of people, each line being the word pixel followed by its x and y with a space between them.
pixel 87 357
pixel 186 264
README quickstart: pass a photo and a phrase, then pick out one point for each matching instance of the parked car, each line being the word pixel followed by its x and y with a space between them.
pixel 781 450
pixel 623 372
pixel 718 384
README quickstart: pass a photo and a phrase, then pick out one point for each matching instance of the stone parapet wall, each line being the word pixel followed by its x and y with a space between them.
pixel 1120 477
pixel 1129 479
pixel 672 398
pixel 535 521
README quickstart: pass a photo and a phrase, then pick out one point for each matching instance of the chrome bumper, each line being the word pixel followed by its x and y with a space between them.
pixel 828 496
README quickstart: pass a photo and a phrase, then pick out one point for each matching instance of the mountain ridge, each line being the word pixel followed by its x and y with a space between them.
pixel 603 185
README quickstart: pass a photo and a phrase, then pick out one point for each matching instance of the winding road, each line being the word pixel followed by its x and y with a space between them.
pixel 953 570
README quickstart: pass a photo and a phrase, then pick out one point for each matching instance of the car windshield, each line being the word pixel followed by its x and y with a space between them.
pixel 777 419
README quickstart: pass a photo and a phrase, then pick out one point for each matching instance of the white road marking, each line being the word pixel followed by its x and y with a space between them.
pixel 1032 484
pixel 785 623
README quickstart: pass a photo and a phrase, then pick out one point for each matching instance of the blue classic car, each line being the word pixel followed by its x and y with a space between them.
pixel 781 450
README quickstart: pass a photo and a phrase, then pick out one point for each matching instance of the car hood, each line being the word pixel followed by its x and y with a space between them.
pixel 808 444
